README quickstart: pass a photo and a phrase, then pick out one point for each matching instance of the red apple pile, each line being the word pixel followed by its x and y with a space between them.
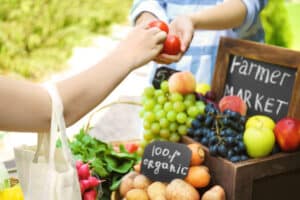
pixel 88 183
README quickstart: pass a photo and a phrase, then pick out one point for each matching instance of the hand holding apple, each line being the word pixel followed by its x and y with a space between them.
pixel 172 44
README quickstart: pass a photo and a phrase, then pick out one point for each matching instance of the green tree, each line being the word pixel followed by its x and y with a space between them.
pixel 276 23
pixel 37 36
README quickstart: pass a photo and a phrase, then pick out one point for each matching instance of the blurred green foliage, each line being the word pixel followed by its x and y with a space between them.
pixel 37 36
pixel 294 16
pixel 276 23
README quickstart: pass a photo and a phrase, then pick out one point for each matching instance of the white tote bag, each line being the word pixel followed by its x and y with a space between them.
pixel 46 172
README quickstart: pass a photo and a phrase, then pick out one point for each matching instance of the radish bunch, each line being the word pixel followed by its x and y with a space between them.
pixel 88 183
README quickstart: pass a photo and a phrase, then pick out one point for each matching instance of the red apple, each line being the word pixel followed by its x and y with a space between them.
pixel 233 103
pixel 182 82
pixel 287 134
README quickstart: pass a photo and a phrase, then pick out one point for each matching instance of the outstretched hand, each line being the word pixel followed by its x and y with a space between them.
pixel 141 45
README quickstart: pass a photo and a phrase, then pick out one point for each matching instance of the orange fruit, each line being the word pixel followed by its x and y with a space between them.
pixel 198 176
pixel 198 154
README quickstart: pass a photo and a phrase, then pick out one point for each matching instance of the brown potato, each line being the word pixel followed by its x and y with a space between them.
pixel 137 194
pixel 157 191
pixel 215 193
pixel 141 182
pixel 181 190
pixel 127 183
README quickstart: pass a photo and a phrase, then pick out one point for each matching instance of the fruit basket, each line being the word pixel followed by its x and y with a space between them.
pixel 274 177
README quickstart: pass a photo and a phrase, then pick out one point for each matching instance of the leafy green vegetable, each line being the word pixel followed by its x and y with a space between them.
pixel 104 161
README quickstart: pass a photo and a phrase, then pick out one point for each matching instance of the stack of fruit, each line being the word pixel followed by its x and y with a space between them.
pixel 180 107
pixel 136 186
pixel 168 112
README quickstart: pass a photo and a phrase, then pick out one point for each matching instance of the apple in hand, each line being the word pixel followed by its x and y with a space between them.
pixel 259 141
pixel 159 24
pixel 287 134
pixel 171 45
pixel 182 82
pixel 233 103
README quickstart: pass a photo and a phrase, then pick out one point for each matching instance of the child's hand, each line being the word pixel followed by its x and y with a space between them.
pixel 183 27
pixel 141 45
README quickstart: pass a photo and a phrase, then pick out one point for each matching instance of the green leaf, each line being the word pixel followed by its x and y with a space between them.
pixel 99 167
pixel 116 180
pixel 117 165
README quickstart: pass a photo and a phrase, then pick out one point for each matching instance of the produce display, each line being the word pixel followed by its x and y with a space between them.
pixel 180 107
pixel 168 115
pixel 136 186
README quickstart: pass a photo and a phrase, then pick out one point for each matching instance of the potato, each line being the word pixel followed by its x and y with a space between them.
pixel 157 191
pixel 141 182
pixel 215 193
pixel 127 183
pixel 180 190
pixel 136 194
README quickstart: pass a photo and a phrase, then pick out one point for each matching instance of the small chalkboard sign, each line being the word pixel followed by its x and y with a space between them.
pixel 165 161
pixel 265 76
pixel 161 74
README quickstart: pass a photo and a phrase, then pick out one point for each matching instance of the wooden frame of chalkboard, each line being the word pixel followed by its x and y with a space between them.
pixel 268 56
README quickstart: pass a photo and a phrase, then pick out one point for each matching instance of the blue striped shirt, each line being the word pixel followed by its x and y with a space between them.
pixel 201 55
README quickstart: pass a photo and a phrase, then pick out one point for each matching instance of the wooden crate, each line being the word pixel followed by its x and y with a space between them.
pixel 275 177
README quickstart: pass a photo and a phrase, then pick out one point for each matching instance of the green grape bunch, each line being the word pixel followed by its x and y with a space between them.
pixel 167 116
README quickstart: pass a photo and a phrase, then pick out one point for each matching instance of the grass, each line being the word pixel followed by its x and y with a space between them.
pixel 294 16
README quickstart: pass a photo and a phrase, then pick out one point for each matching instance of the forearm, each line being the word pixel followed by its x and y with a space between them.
pixel 230 14
pixel 83 92
pixel 26 106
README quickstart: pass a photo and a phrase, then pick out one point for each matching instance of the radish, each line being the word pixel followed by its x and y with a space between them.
pixel 90 195
pixel 84 172
pixel 94 182
pixel 84 185
pixel 79 163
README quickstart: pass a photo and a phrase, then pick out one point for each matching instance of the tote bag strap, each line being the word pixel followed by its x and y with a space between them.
pixel 58 127
pixel 42 147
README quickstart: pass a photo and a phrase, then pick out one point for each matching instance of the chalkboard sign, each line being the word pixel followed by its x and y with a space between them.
pixel 265 76
pixel 165 161
pixel 161 74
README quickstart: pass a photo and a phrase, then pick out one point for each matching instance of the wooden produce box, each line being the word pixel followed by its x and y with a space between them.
pixel 275 177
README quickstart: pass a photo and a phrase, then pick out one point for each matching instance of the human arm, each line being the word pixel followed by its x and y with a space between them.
pixel 239 15
pixel 26 106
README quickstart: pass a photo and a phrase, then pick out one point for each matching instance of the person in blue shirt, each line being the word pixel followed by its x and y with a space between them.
pixel 199 24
